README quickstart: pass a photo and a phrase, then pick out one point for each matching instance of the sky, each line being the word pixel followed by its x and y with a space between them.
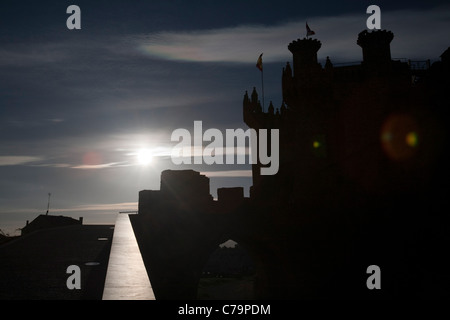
pixel 82 112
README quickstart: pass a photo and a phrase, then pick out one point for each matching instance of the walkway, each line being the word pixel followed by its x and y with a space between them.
pixel 126 277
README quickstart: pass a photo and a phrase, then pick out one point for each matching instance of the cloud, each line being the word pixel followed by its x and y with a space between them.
pixel 34 162
pixel 17 160
pixel 56 120
pixel 123 206
pixel 420 33
pixel 52 165
pixel 23 55
pixel 101 165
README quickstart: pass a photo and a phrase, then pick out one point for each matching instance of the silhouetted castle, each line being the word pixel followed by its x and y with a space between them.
pixel 369 127
pixel 363 179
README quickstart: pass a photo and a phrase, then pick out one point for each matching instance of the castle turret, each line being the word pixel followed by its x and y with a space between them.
pixel 328 64
pixel 376 47
pixel 286 81
pixel 283 109
pixel 271 108
pixel 304 53
pixel 300 90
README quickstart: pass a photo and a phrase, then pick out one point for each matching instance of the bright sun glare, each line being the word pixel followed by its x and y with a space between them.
pixel 144 157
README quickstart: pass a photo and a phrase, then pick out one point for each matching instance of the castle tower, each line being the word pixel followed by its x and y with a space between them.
pixel 376 47
pixel 301 87
pixel 304 53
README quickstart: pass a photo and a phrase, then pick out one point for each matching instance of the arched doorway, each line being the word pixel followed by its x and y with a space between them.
pixel 229 273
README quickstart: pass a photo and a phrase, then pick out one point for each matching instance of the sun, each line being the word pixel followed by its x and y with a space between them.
pixel 144 157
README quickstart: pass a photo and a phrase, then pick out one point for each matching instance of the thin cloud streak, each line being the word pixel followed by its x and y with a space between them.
pixel 123 206
pixel 102 165
pixel 337 34
pixel 17 160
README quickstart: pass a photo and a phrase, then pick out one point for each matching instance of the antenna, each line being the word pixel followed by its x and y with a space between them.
pixel 48 204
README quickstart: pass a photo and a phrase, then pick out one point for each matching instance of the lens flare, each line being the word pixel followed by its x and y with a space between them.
pixel 92 158
pixel 412 139
pixel 399 137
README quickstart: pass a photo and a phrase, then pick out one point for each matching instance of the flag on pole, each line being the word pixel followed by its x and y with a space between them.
pixel 259 63
pixel 309 32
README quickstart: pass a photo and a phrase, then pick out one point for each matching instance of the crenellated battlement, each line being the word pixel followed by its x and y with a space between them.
pixel 305 44
pixel 366 37
pixel 304 53
pixel 255 117
pixel 376 46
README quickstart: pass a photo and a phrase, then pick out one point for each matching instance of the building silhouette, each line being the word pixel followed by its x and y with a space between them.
pixel 49 221
pixel 362 181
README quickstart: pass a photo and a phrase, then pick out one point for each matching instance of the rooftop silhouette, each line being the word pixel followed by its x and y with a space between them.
pixel 49 221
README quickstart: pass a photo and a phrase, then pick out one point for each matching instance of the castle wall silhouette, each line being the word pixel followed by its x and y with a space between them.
pixel 362 181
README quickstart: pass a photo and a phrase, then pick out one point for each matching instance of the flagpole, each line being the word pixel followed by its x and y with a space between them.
pixel 259 65
pixel 48 203
pixel 262 84
pixel 307 35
